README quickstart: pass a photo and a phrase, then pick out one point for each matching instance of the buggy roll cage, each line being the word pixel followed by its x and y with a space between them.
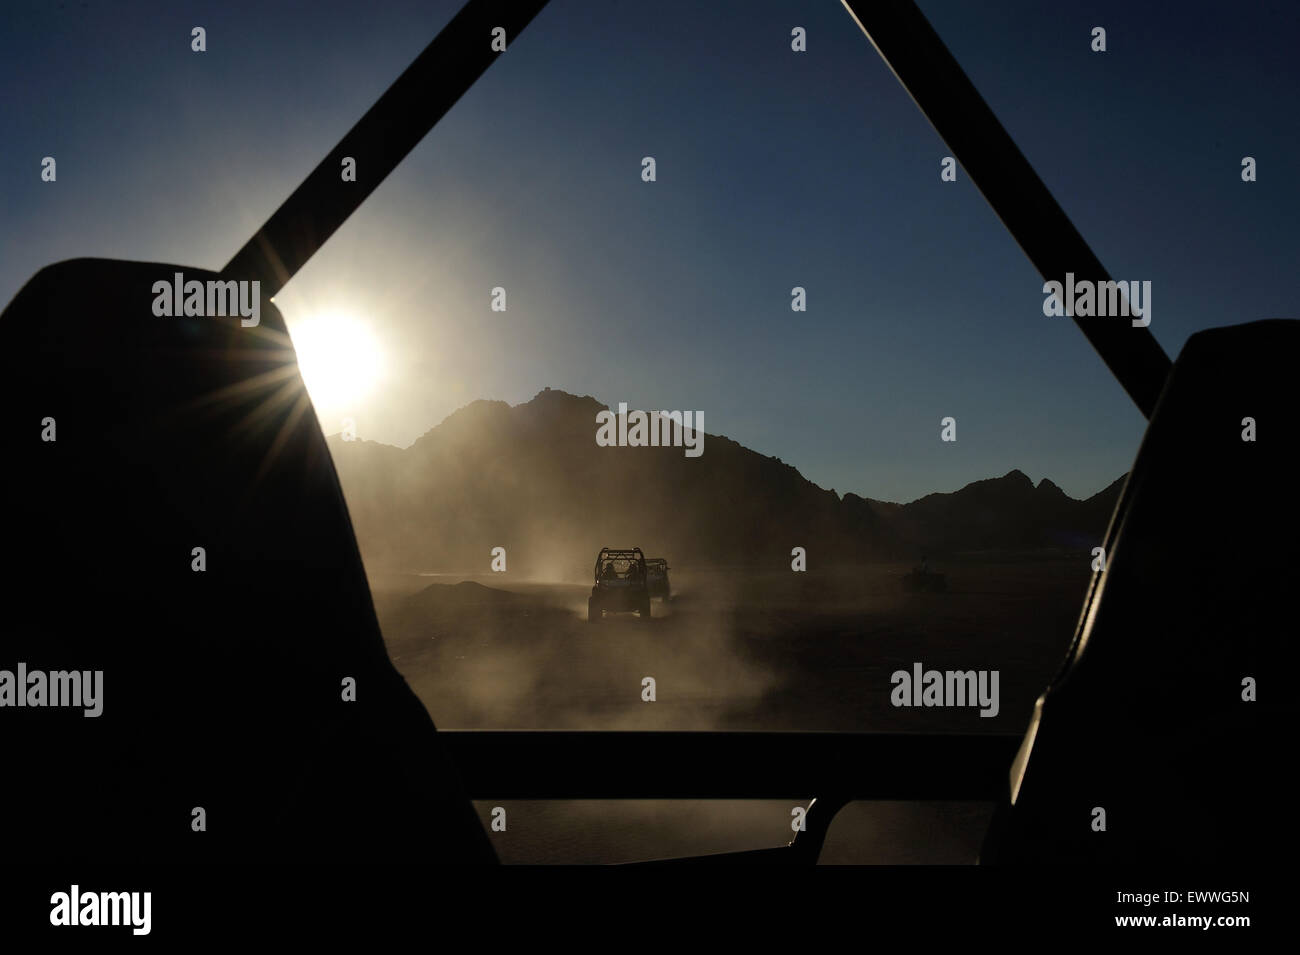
pixel 836 767
pixel 632 556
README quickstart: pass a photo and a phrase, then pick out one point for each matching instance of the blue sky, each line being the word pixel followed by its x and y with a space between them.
pixel 775 169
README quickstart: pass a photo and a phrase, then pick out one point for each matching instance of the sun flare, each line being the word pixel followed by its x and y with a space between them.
pixel 339 358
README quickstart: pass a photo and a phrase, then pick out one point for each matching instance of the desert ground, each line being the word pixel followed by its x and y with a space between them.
pixel 733 650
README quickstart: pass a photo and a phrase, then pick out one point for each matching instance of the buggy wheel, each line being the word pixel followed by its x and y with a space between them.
pixel 593 612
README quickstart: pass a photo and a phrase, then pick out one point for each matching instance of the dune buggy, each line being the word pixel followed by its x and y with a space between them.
pixel 657 578
pixel 923 580
pixel 620 584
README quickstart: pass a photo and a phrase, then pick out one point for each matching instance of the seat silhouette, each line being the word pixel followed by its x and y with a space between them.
pixel 1147 720
pixel 222 688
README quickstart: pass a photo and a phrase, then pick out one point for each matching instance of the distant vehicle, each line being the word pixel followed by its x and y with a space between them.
pixel 621 584
pixel 657 578
pixel 923 580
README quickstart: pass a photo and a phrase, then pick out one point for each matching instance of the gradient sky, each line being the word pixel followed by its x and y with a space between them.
pixel 775 169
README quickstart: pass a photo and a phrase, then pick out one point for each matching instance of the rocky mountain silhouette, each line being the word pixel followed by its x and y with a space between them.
pixel 531 478
pixel 1003 514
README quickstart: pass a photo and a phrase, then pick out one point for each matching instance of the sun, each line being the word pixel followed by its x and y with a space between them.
pixel 339 358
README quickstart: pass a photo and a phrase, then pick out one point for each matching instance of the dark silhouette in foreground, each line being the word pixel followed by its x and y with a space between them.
pixel 223 688
pixel 185 533
pixel 1174 713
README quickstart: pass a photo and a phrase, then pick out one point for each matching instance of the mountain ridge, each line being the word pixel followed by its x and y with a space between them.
pixel 530 478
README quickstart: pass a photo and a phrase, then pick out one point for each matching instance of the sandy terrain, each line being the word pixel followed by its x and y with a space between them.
pixel 733 650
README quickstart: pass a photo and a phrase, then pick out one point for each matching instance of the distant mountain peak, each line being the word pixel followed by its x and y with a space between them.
pixel 337 437
pixel 1047 487
pixel 1111 490
pixel 475 410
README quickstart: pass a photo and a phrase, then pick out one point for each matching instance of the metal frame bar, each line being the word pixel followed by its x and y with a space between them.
pixel 381 139
pixel 945 95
